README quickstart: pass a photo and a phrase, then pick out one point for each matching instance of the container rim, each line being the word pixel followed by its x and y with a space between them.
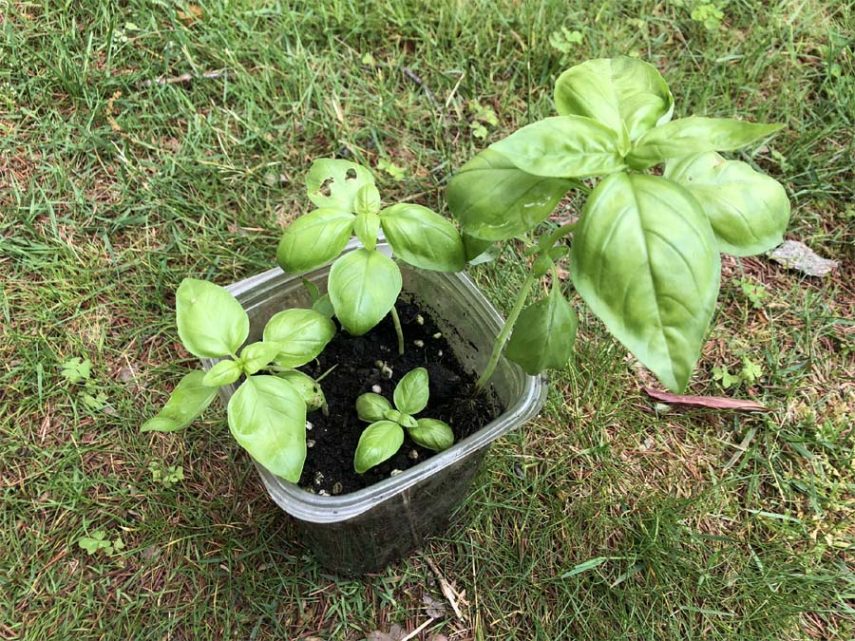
pixel 316 508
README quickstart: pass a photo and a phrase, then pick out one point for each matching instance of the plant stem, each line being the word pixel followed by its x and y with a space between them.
pixel 501 339
pixel 551 239
pixel 396 321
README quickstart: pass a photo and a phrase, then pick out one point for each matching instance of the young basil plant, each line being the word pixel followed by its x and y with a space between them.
pixel 384 437
pixel 645 251
pixel 267 412
pixel 364 284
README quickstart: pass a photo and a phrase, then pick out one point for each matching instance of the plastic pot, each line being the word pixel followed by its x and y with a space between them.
pixel 365 530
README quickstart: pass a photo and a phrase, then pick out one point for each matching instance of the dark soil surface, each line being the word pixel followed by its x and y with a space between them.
pixel 333 438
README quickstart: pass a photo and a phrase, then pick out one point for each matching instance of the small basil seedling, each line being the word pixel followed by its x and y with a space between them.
pixel 364 284
pixel 267 412
pixel 645 250
pixel 384 437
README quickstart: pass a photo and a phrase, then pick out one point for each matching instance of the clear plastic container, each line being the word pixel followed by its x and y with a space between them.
pixel 365 530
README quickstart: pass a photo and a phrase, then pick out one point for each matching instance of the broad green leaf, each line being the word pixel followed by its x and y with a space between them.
pixel 494 200
pixel 563 147
pixel 645 261
pixel 432 434
pixel 301 334
pixel 307 387
pixel 314 239
pixel 423 238
pixel 477 250
pixel 188 400
pixel 544 333
pixel 412 391
pixel 748 211
pixel 366 228
pixel 336 183
pixel 625 94
pixel 211 323
pixel 379 442
pixel 225 372
pixel 694 135
pixel 363 287
pixel 267 417
pixel 257 355
pixel 372 407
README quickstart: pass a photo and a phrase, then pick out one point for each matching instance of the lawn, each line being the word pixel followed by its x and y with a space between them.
pixel 145 141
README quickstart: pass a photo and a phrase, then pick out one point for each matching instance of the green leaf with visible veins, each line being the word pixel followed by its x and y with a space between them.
pixel 188 400
pixel 694 135
pixel 211 322
pixel 363 287
pixel 267 417
pixel 432 433
pixel 301 335
pixel 748 211
pixel 412 391
pixel 646 262
pixel 379 442
pixel 423 238
pixel 624 93
pixel 564 147
pixel 337 184
pixel 544 333
pixel 314 239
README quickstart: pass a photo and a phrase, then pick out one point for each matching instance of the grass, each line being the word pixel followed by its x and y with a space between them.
pixel 604 519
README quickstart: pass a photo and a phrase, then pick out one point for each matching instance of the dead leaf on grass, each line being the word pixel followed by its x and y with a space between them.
pixel 395 633
pixel 793 254
pixel 710 402
pixel 433 608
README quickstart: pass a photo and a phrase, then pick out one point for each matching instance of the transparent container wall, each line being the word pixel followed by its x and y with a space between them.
pixel 363 531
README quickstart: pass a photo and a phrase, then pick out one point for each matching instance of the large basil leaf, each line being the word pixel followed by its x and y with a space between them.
pixel 372 407
pixel 307 387
pixel 336 183
pixel 267 417
pixel 626 94
pixel 363 287
pixel 412 391
pixel 645 261
pixel 377 443
pixel 188 400
pixel 494 200
pixel 748 211
pixel 300 333
pixel 564 147
pixel 432 433
pixel 314 239
pixel 693 135
pixel 544 333
pixel 211 323
pixel 423 238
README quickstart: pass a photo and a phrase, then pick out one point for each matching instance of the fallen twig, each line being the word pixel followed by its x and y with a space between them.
pixel 448 591
pixel 412 75
pixel 184 77
pixel 710 402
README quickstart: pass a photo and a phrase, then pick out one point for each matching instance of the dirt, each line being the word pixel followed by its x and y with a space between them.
pixel 333 438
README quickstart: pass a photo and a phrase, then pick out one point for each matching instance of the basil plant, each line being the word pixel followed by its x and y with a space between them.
pixel 267 412
pixel 364 284
pixel 662 203
pixel 384 437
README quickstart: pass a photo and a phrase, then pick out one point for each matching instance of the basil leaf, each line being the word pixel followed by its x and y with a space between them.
pixel 645 261
pixel 367 200
pixel 412 391
pixel 494 200
pixel 336 183
pixel 307 387
pixel 301 335
pixel 314 239
pixel 379 442
pixel 366 228
pixel 257 355
pixel 324 306
pixel 694 135
pixel 748 211
pixel 188 400
pixel 544 333
pixel 363 287
pixel 223 373
pixel 372 407
pixel 623 93
pixel 211 323
pixel 563 147
pixel 267 417
pixel 432 434
pixel 423 238
pixel 477 250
